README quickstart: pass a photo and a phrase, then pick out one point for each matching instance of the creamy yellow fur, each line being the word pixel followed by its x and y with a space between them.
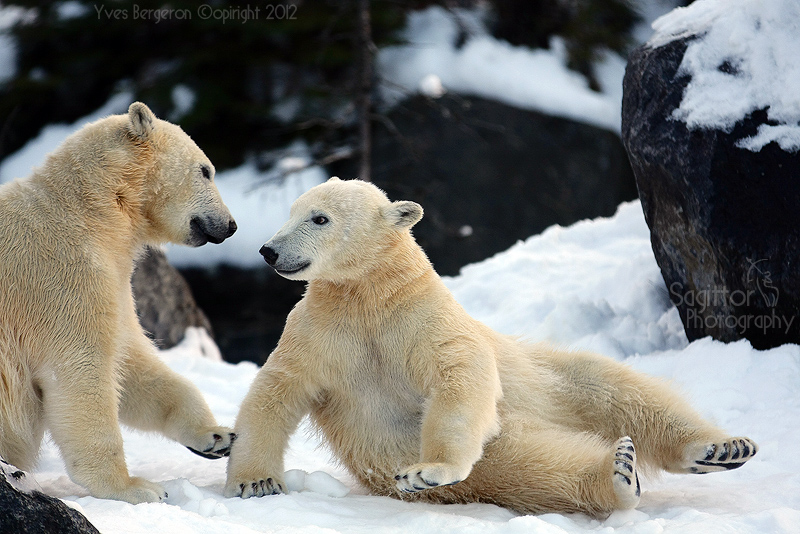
pixel 420 401
pixel 73 357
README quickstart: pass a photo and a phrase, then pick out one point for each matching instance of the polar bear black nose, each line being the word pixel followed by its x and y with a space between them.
pixel 270 256
pixel 232 227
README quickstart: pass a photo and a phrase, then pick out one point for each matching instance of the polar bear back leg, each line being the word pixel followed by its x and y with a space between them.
pixel 21 418
pixel 612 400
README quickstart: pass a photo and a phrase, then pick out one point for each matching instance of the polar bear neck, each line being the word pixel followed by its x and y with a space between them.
pixel 400 272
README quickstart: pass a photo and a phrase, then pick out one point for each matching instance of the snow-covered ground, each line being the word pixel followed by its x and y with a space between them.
pixel 593 285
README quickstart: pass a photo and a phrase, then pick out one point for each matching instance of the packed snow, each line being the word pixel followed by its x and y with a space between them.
pixel 593 285
pixel 744 59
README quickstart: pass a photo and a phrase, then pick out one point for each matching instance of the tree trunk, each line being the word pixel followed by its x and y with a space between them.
pixel 364 89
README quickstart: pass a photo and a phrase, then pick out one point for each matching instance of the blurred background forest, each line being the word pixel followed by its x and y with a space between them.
pixel 249 88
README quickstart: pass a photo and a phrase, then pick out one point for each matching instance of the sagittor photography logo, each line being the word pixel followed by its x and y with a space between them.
pixel 765 296
pixel 224 15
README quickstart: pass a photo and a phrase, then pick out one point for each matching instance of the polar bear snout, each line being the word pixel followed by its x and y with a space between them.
pixel 207 230
pixel 270 256
pixel 286 265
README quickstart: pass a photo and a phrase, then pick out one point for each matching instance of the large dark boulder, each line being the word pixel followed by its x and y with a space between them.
pixel 164 301
pixel 489 174
pixel 724 221
pixel 24 509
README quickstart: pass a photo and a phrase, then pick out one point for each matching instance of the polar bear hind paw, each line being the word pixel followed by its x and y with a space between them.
pixel 217 445
pixel 625 479
pixel 721 456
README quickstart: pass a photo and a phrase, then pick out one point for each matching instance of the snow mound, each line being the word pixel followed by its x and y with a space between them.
pixel 594 285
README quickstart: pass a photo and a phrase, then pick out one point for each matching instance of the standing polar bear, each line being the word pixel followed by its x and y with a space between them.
pixel 73 357
pixel 420 401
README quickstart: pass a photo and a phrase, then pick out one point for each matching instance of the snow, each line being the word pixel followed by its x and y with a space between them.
pixel 183 99
pixel 744 59
pixel 593 285
pixel 492 68
pixel 9 16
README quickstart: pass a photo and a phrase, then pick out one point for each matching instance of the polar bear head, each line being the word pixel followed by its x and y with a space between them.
pixel 339 230
pixel 180 201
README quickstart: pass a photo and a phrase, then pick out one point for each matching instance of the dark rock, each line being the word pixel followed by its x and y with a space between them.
pixel 724 221
pixel 24 509
pixel 164 300
pixel 248 308
pixel 488 174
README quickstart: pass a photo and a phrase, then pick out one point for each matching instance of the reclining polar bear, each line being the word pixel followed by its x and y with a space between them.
pixel 420 401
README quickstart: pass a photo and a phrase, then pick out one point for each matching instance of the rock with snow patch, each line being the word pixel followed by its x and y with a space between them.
pixel 724 220
pixel 164 301
pixel 25 509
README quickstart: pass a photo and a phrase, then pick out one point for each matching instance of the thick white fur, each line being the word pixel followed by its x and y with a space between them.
pixel 420 401
pixel 73 357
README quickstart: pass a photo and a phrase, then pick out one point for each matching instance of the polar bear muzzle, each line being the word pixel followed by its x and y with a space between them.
pixel 208 230
pixel 281 266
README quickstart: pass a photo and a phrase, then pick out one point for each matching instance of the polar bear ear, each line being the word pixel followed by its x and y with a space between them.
pixel 403 214
pixel 142 120
pixel 334 179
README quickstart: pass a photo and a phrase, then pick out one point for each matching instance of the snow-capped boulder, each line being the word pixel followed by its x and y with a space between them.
pixel 710 122
pixel 25 509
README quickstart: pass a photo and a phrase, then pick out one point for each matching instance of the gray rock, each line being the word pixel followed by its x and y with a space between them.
pixel 24 509
pixel 164 301
pixel 724 221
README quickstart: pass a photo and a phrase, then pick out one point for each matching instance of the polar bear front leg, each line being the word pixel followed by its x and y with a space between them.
pixel 462 417
pixel 269 414
pixel 80 405
pixel 156 398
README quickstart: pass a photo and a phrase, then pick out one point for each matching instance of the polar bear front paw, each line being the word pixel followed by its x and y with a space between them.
pixel 213 444
pixel 625 478
pixel 721 456
pixel 420 477
pixel 254 488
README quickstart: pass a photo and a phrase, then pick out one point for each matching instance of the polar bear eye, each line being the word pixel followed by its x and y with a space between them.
pixel 320 220
pixel 206 172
